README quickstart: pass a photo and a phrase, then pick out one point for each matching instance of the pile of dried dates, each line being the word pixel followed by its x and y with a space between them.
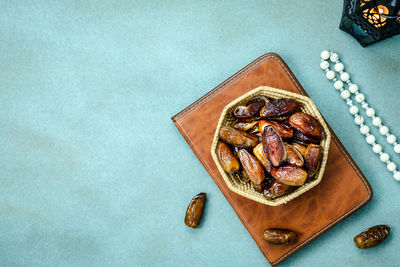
pixel 271 144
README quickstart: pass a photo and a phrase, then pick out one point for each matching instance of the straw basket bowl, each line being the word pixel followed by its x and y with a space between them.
pixel 233 181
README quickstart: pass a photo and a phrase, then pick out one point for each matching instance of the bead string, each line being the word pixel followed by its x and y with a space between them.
pixel 358 119
pixel 360 98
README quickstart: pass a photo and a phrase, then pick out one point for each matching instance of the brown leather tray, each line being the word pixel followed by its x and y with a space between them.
pixel 342 191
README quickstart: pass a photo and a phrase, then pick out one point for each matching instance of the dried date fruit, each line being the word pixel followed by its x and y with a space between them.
pixel 307 125
pixel 227 159
pixel 195 210
pixel 290 175
pixel 242 112
pixel 277 189
pixel 293 156
pixel 284 131
pixel 259 187
pixel 251 109
pixel 238 138
pixel 279 108
pixel 244 176
pixel 302 149
pixel 304 139
pixel 372 236
pixel 254 130
pixel 273 146
pixel 278 236
pixel 256 104
pixel 313 159
pixel 244 125
pixel 251 166
pixel 281 119
pixel 258 151
pixel 259 135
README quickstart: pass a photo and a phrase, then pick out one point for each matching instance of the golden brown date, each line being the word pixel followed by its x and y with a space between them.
pixel 195 210
pixel 290 175
pixel 258 151
pixel 313 159
pixel 244 125
pixel 277 189
pixel 251 166
pixel 273 146
pixel 307 125
pixel 284 131
pixel 278 236
pixel 238 138
pixel 304 139
pixel 293 156
pixel 302 149
pixel 227 159
pixel 279 108
pixel 372 236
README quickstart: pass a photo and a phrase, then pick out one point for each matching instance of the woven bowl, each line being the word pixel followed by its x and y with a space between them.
pixel 233 181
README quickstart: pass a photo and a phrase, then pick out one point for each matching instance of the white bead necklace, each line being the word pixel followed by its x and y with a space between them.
pixel 358 119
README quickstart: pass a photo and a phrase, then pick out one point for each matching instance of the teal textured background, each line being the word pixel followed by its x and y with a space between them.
pixel 93 171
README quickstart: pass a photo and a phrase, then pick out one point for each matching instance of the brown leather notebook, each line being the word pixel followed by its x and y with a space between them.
pixel 342 191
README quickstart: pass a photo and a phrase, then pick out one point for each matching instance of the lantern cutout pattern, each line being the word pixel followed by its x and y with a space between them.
pixel 375 15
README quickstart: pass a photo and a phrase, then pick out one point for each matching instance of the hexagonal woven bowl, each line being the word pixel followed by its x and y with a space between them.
pixel 233 181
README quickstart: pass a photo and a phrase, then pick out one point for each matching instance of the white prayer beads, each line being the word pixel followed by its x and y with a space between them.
pixel 358 119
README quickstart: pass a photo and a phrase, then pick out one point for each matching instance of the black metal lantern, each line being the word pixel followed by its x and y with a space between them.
pixel 370 21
